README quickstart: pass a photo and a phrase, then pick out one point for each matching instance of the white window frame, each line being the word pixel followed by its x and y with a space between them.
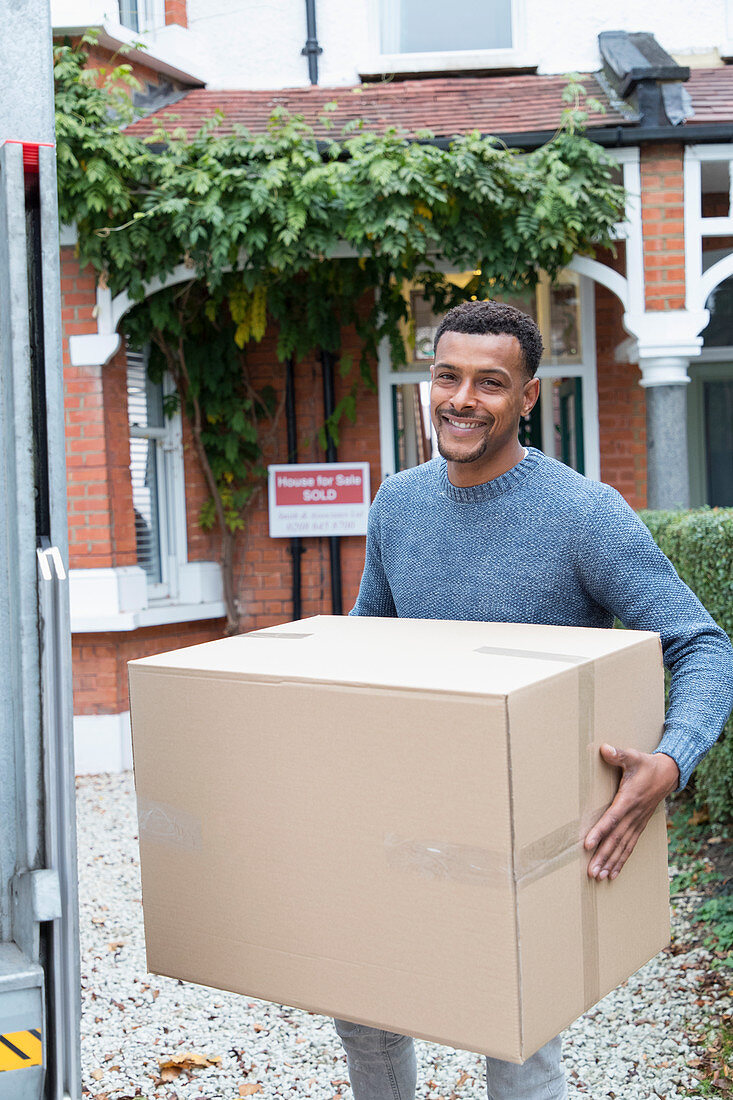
pixel 171 501
pixel 151 16
pixel 712 363
pixel 699 283
pixel 378 62
pixel 585 370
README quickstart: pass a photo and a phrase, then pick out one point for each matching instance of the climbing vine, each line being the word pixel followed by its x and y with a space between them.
pixel 280 229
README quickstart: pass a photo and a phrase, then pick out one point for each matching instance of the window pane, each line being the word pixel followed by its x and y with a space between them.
pixel 426 324
pixel 565 322
pixel 144 472
pixel 427 26
pixel 145 410
pixel 715 189
pixel 144 398
pixel 719 442
pixel 129 14
pixel 560 413
pixel 414 437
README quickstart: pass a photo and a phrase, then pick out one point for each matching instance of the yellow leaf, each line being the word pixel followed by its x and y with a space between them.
pixel 249 1090
pixel 97 1074
pixel 241 336
pixel 171 1067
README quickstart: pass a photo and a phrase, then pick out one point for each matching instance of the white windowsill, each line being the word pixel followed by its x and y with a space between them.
pixel 118 598
pixel 448 61
pixel 154 615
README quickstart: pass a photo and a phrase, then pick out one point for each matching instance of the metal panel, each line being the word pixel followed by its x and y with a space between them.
pixel 61 935
pixel 21 1009
pixel 26 111
pixel 39 951
pixel 20 699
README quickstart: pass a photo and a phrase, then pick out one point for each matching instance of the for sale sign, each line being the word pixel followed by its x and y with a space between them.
pixel 326 498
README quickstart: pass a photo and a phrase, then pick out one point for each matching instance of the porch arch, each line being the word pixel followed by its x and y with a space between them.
pixel 122 303
pixel 713 277
pixel 606 276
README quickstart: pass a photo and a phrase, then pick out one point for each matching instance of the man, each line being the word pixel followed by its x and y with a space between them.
pixel 493 532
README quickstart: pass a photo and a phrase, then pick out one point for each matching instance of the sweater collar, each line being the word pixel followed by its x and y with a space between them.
pixel 488 490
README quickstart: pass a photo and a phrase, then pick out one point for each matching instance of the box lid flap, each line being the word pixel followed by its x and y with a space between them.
pixel 474 658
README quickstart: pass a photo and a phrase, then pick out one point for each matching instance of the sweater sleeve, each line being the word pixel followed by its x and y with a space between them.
pixel 375 596
pixel 624 570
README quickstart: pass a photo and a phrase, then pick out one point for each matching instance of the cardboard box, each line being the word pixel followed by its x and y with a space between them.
pixel 381 820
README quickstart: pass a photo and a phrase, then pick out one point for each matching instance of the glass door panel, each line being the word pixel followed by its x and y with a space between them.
pixel 414 436
pixel 560 413
pixel 718 404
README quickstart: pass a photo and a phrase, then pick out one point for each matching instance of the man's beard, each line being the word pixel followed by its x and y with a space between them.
pixel 462 456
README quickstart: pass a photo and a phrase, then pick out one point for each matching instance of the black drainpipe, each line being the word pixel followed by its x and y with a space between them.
pixel 296 545
pixel 311 50
pixel 328 360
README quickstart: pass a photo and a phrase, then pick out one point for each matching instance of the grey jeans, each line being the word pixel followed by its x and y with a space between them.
pixel 382 1066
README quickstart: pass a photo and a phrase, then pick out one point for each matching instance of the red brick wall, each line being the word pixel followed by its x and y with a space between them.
pixel 621 406
pixel 175 12
pixel 264 569
pixel 90 516
pixel 99 661
pixel 104 60
pixel 119 483
pixel 662 216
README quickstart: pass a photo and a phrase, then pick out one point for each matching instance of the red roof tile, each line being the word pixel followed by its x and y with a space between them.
pixel 446 106
pixel 712 95
pixel 503 104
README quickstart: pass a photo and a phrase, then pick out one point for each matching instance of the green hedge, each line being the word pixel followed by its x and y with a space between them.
pixel 699 544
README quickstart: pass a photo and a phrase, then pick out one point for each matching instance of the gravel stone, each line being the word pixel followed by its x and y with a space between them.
pixel 635 1044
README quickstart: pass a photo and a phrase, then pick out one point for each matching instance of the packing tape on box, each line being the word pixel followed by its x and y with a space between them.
pixel 256 636
pixel 464 863
pixel 168 825
pixel 461 863
pixel 451 862
pixel 588 886
pixel 562 845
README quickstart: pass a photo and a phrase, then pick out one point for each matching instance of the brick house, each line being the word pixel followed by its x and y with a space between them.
pixel 637 382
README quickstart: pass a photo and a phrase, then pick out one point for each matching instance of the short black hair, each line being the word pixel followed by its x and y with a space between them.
pixel 495 319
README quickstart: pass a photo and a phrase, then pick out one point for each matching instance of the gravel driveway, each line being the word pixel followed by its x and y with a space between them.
pixel 633 1045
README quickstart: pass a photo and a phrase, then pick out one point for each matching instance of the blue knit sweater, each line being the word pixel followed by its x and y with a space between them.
pixel 542 544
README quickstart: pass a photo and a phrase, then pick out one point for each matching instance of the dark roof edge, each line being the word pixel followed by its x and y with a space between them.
pixel 610 137
pixel 615 136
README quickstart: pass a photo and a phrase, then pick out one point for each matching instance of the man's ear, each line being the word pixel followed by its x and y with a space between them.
pixel 531 394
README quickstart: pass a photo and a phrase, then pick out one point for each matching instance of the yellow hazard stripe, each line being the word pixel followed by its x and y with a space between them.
pixel 21 1049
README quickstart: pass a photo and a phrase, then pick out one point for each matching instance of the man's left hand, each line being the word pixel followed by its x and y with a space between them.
pixel 646 779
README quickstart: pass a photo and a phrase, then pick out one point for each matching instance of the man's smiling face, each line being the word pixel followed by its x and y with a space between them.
pixel 480 390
